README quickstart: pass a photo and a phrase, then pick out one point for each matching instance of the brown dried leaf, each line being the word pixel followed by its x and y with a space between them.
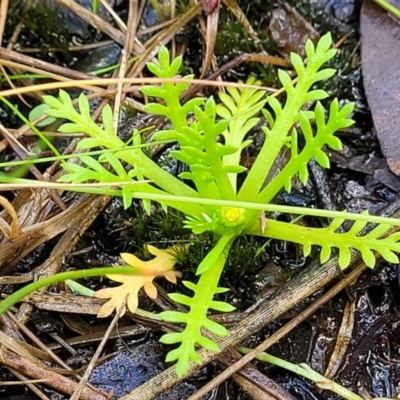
pixel 161 265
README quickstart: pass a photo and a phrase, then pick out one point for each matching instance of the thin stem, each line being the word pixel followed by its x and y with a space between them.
pixel 51 280
pixel 31 126
pixel 389 7
pixel 305 371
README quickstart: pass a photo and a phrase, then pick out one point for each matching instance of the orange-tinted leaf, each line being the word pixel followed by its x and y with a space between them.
pixel 161 265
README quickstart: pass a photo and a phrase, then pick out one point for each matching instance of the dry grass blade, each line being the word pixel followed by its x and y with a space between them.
pixel 249 378
pixel 40 67
pixel 98 23
pixel 211 38
pixel 53 379
pixel 137 81
pixel 131 33
pixel 83 215
pixel 3 16
pixel 163 38
pixel 41 232
pixel 343 340
pixel 241 17
pixel 9 231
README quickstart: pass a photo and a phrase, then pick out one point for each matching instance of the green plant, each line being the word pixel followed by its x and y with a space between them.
pixel 211 146
pixel 304 370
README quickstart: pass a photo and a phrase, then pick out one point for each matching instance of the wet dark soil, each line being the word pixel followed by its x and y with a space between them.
pixel 370 366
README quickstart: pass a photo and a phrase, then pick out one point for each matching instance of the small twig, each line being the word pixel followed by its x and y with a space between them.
pixel 96 355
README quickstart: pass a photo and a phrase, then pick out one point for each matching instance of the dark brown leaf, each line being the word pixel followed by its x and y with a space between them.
pixel 381 74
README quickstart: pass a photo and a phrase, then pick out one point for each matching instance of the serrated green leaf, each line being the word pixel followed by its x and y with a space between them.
pixel 223 112
pixel 344 257
pixel 181 298
pixel 250 124
pixel 88 143
pixel 186 175
pixel 190 285
pixel 215 328
pixel 39 111
pixel 173 316
pixel 51 101
pixel 389 255
pixel 175 355
pixel 84 106
pixel 163 57
pixel 227 149
pixel 234 169
pixel 171 338
pixel 208 344
pixel 286 81
pixel 56 113
pixel 325 253
pixel 336 224
pixel 356 227
pixel 334 143
pixel 309 48
pixel 64 97
pixel 306 249
pixel 368 257
pixel 115 164
pixel 147 206
pixel 153 91
pixel 221 290
pixel 126 197
pixel 346 110
pixel 321 158
pixel 167 134
pixel 275 105
pixel 108 120
pixel 303 174
pixel 298 64
pixel 175 65
pixel 228 102
pixel 189 106
pixel 71 128
pixel 158 109
pixel 315 95
pixel 324 74
pixel 194 153
pixel 234 92
pixel 154 69
pixel 221 306
pixel 324 43
pixel 305 127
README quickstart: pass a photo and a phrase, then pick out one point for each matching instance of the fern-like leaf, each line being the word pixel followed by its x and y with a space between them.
pixel 378 240
pixel 239 107
pixel 196 318
pixel 286 118
pixel 339 118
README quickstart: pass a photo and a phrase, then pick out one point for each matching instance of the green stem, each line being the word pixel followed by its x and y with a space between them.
pixel 273 143
pixel 31 126
pixel 389 7
pixel 221 177
pixel 305 371
pixel 152 171
pixel 51 280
